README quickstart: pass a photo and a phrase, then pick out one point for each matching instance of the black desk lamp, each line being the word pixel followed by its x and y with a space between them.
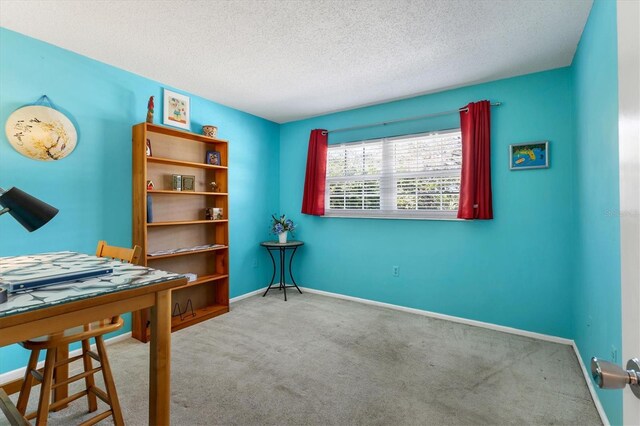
pixel 29 211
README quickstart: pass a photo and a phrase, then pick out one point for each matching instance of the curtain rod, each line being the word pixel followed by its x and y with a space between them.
pixel 401 120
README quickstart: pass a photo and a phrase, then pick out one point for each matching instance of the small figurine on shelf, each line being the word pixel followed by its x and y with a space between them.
pixel 214 186
pixel 150 110
pixel 149 154
pixel 150 185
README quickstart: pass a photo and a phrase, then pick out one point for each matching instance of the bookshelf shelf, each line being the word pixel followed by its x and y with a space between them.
pixel 184 163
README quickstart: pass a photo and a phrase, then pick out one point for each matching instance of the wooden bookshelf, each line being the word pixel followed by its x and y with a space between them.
pixel 179 220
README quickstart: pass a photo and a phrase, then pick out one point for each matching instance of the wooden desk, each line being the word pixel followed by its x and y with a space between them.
pixel 130 288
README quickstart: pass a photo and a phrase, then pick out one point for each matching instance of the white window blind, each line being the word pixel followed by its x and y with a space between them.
pixel 414 176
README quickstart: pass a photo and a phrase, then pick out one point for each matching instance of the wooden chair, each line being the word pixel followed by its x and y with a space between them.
pixel 54 344
pixel 10 410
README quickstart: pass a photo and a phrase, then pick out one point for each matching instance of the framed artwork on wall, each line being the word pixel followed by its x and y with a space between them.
pixel 176 110
pixel 530 155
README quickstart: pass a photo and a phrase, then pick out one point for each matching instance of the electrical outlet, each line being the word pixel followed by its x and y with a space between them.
pixel 589 321
pixel 254 264
pixel 614 354
pixel 396 271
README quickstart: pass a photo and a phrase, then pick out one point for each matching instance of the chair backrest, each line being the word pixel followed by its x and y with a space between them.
pixel 127 255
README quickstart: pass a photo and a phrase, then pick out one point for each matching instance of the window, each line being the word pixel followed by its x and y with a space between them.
pixel 415 176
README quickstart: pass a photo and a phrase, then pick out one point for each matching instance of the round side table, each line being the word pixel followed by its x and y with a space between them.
pixel 282 248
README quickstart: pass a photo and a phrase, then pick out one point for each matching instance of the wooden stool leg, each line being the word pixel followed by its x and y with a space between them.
pixel 27 383
pixel 109 383
pixel 45 388
pixel 89 381
pixel 60 374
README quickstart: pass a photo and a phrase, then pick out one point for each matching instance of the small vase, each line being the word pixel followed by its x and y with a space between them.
pixel 282 237
pixel 211 131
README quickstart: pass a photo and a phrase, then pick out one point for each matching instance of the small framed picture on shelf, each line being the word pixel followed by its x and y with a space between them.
pixel 213 158
pixel 188 183
pixel 213 213
pixel 176 110
pixel 176 182
pixel 530 155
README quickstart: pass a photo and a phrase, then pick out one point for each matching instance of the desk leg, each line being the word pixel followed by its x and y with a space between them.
pixel 61 373
pixel 160 360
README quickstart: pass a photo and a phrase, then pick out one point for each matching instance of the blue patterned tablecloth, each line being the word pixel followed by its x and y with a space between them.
pixel 125 276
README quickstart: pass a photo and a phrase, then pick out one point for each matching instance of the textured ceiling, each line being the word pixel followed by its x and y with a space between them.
pixel 290 59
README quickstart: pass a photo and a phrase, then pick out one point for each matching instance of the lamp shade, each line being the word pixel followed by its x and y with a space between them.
pixel 29 211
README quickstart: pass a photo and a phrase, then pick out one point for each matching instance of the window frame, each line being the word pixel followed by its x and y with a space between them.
pixel 389 180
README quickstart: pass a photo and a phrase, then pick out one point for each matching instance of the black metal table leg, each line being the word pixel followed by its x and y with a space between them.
pixel 282 276
pixel 273 261
pixel 290 274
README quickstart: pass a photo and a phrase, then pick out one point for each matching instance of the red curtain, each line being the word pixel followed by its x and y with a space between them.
pixel 314 181
pixel 475 187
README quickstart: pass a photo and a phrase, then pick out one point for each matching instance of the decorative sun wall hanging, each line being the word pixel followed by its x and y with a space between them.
pixel 41 132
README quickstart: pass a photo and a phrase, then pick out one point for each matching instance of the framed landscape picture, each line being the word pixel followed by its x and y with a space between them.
pixel 530 155
pixel 176 110
pixel 188 183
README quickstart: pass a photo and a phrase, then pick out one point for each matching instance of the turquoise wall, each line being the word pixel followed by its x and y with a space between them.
pixel 515 270
pixel 549 261
pixel 92 187
pixel 597 324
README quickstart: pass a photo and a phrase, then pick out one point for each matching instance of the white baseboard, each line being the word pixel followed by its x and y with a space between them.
pixel 244 296
pixel 510 330
pixel 19 373
pixel 592 389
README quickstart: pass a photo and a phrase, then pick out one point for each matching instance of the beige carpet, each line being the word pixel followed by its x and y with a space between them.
pixel 319 360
